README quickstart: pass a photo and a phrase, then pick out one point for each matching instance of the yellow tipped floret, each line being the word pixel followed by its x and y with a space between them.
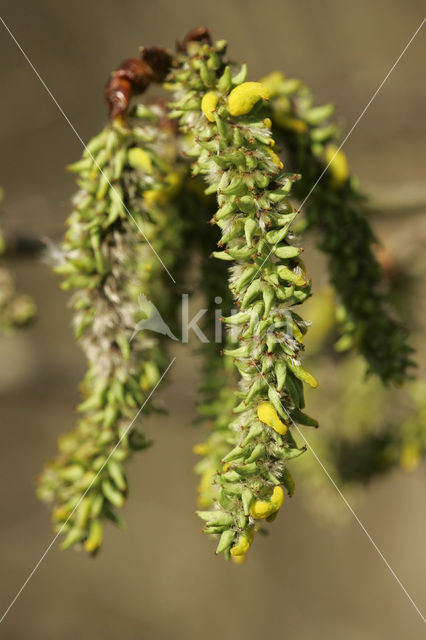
pixel 262 509
pixel 267 414
pixel 139 159
pixel 95 537
pixel 238 559
pixel 338 162
pixel 277 497
pixel 276 159
pixel 209 104
pixel 242 99
pixel 242 546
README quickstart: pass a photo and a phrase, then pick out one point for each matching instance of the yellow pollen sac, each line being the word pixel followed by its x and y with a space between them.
pixel 267 414
pixel 238 559
pixel 94 540
pixel 267 122
pixel 338 168
pixel 261 509
pixel 276 159
pixel 242 546
pixel 209 104
pixel 242 99
pixel 277 497
pixel 139 159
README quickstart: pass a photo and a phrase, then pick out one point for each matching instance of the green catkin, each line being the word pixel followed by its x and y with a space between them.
pixel 218 373
pixel 109 265
pixel 335 208
pixel 233 149
pixel 16 309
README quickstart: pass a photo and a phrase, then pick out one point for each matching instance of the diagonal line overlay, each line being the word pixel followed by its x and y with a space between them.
pixel 48 548
pixel 112 187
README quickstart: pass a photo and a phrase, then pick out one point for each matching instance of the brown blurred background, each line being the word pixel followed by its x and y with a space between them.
pixel 160 579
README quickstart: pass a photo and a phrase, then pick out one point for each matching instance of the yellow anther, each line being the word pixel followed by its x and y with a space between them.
pixel 297 333
pixel 276 159
pixel 139 159
pixel 200 449
pixel 310 379
pixel 238 559
pixel 95 537
pixel 338 165
pixel 277 497
pixel 302 266
pixel 242 546
pixel 242 99
pixel 209 104
pixel 261 509
pixel 410 457
pixel 267 414
pixel 267 122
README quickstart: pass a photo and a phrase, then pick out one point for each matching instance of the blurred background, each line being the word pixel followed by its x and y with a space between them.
pixel 312 577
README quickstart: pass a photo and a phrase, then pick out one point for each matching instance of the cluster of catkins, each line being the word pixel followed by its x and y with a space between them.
pixel 135 208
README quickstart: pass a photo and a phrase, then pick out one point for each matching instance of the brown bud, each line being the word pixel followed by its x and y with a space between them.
pixel 159 60
pixel 117 93
pixel 132 76
pixel 137 71
pixel 199 34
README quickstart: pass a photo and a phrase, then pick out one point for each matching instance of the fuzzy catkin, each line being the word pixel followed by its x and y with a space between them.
pixel 334 206
pixel 232 147
pixel 114 274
